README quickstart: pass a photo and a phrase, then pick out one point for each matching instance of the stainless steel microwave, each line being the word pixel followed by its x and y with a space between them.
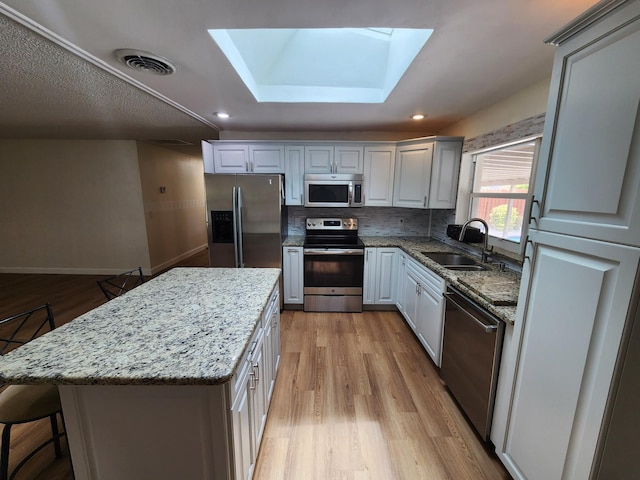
pixel 332 190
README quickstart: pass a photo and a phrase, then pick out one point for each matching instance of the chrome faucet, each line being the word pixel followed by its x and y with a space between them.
pixel 486 250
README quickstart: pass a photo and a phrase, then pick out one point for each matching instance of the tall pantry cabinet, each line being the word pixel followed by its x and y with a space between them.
pixel 558 382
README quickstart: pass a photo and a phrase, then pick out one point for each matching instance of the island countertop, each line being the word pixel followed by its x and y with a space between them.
pixel 188 326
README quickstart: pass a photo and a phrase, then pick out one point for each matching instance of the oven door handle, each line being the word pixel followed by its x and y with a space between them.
pixel 333 251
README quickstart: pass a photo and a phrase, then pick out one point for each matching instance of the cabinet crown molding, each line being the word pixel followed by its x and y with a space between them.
pixel 583 21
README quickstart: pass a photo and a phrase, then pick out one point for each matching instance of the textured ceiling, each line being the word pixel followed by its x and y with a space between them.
pixel 49 92
pixel 73 87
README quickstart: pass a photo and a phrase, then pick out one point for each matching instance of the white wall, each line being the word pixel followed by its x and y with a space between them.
pixel 175 219
pixel 71 206
pixel 527 103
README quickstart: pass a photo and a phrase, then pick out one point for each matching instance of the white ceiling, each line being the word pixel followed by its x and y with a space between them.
pixel 60 78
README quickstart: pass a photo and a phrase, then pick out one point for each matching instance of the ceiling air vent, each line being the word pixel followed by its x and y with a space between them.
pixel 145 61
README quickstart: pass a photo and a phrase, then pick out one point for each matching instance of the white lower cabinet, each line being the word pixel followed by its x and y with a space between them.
pixel 293 275
pixel 242 443
pixel 380 276
pixel 369 283
pixel 214 430
pixel 248 410
pixel 401 269
pixel 243 414
pixel 555 382
pixel 411 285
pixel 424 307
pixel 254 387
pixel 272 343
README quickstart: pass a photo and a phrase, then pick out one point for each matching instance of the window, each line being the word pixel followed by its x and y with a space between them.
pixel 501 190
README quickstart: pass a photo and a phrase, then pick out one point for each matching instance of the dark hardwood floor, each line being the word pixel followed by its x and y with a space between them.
pixel 356 396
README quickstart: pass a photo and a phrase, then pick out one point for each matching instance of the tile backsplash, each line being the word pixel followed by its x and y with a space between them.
pixel 380 221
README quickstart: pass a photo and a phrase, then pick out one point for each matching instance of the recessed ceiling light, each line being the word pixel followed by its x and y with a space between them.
pixel 417 116
pixel 222 115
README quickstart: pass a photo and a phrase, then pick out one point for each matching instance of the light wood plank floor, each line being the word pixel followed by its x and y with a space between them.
pixel 356 397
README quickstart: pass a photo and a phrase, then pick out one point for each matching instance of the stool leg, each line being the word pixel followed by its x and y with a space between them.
pixel 56 438
pixel 4 454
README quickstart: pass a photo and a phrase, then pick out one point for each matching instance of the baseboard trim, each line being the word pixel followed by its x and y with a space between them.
pixel 102 271
pixel 380 307
pixel 163 266
pixel 292 306
pixel 66 271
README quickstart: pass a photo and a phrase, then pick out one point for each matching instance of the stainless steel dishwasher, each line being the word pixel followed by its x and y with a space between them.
pixel 471 357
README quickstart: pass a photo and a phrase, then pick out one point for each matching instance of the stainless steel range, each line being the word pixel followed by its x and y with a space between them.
pixel 333 265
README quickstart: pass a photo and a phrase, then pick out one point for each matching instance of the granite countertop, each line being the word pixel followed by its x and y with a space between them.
pixel 494 290
pixel 187 326
pixel 293 241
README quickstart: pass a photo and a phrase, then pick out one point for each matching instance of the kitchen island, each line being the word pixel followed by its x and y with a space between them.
pixel 171 380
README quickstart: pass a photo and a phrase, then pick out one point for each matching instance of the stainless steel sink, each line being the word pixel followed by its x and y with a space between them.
pixel 454 261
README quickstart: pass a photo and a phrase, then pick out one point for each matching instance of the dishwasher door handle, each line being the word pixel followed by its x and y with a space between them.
pixel 487 328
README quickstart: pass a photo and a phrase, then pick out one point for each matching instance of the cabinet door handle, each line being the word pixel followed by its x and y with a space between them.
pixel 527 243
pixel 531 217
pixel 425 202
pixel 255 368
pixel 252 381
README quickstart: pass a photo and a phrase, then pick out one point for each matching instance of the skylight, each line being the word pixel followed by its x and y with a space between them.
pixel 331 65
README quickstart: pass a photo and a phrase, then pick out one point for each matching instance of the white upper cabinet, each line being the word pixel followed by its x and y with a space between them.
pixel 379 166
pixel 590 152
pixel 266 158
pixel 207 156
pixel 426 173
pixel 230 158
pixel 236 157
pixel 318 159
pixel 349 159
pixel 417 174
pixel 342 158
pixel 294 174
pixel 412 175
pixel 444 175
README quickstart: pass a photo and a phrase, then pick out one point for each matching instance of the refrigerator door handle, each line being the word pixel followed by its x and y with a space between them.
pixel 235 224
pixel 240 264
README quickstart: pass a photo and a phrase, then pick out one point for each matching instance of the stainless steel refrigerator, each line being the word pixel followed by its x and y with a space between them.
pixel 246 220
